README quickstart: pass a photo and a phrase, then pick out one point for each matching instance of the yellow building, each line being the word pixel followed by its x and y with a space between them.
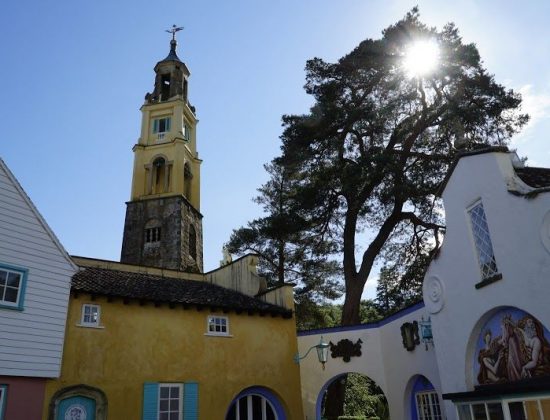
pixel 155 338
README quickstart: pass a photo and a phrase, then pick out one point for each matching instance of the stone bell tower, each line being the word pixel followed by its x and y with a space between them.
pixel 163 226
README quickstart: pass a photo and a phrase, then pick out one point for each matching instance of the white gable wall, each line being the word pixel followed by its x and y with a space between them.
pixel 384 360
pixel 515 225
pixel 31 341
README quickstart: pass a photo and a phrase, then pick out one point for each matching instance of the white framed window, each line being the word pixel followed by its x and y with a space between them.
pixel 427 406
pixel 482 241
pixel 252 407
pixel 12 286
pixel 186 132
pixel 91 315
pixel 536 408
pixel 170 402
pixel 217 325
pixel 161 125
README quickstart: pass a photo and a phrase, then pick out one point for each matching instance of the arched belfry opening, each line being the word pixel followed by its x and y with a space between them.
pixel 159 176
pixel 165 87
pixel 187 180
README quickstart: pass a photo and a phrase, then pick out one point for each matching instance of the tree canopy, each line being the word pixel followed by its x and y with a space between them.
pixel 282 238
pixel 367 161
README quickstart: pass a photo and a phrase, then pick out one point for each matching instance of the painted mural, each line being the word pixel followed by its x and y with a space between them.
pixel 513 345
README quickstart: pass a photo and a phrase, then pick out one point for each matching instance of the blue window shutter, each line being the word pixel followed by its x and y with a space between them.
pixel 150 401
pixel 190 401
pixel 155 126
pixel 168 124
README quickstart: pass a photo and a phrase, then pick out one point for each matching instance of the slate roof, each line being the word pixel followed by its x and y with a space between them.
pixel 158 289
pixel 535 177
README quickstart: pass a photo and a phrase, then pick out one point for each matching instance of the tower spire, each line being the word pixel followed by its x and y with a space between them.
pixel 172 55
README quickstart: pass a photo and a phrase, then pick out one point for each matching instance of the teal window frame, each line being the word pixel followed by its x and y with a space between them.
pixel 3 399
pixel 23 272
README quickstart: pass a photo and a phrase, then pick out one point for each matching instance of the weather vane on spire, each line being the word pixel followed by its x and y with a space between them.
pixel 174 30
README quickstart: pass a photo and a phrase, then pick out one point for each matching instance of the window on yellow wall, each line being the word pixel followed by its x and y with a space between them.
pixel 170 401
pixel 217 325
pixel 161 125
pixel 186 132
pixel 91 315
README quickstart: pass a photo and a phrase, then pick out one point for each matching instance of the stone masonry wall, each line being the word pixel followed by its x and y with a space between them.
pixel 173 215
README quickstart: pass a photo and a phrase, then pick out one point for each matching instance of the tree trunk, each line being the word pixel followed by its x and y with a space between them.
pixel 352 302
pixel 334 399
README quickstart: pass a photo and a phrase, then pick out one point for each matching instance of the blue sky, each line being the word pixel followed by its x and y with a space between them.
pixel 74 75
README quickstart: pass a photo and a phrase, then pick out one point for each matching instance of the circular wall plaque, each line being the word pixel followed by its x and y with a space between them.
pixel 434 294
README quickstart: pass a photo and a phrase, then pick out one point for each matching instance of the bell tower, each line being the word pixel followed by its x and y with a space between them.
pixel 163 226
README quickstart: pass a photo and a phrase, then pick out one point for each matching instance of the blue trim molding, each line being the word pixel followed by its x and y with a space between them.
pixel 370 325
pixel 22 286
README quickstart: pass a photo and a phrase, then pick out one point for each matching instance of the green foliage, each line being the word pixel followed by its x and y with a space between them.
pixel 375 147
pixel 357 418
pixel 363 399
pixel 400 285
pixel 311 315
pixel 287 250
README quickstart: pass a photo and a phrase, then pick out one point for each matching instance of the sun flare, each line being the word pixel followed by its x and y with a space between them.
pixel 421 58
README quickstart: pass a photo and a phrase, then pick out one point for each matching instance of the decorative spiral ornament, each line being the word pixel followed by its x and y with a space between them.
pixel 434 294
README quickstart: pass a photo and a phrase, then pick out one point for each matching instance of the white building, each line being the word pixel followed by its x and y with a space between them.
pixel 35 278
pixel 486 294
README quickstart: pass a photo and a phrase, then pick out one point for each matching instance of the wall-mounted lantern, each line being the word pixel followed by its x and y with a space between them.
pixel 322 353
pixel 426 332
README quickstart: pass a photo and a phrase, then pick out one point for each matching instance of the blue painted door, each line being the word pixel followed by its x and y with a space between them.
pixel 76 408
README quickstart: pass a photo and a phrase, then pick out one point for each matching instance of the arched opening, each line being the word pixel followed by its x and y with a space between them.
pixel 508 367
pixel 187 179
pixel 362 397
pixel 255 403
pixel 511 345
pixel 192 242
pixel 423 401
pixel 159 175
pixel 78 401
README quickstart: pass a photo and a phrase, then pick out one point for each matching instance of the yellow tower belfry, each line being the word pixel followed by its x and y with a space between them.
pixel 163 225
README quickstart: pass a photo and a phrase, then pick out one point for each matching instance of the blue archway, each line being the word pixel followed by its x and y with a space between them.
pixel 262 392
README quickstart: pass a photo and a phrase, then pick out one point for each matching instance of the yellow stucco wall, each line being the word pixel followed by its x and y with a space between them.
pixel 173 148
pixel 157 344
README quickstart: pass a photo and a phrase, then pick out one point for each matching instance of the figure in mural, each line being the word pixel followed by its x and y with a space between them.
pixel 533 336
pixel 489 359
pixel 511 340
pixel 513 346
